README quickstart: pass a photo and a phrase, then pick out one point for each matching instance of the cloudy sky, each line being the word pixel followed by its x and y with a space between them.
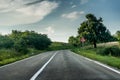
pixel 57 18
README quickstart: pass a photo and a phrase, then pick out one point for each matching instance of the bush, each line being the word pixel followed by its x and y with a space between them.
pixel 113 51
pixel 6 42
pixel 20 46
pixel 7 53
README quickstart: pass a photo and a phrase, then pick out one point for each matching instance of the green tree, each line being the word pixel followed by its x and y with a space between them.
pixel 118 35
pixel 20 46
pixel 94 30
pixel 73 41
pixel 6 42
pixel 30 39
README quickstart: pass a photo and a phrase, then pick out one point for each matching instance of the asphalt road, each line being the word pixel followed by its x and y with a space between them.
pixel 64 65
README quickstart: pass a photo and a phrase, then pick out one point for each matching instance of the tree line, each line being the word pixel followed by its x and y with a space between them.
pixel 93 31
pixel 21 41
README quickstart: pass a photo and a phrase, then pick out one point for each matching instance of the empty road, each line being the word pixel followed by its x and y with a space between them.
pixel 57 65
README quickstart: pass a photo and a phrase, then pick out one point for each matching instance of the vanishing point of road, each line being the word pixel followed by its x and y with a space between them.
pixel 57 65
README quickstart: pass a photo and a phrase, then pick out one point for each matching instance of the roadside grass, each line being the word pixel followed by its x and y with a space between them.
pixel 92 54
pixel 8 55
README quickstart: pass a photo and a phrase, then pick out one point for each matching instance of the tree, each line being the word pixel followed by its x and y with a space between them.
pixel 73 41
pixel 118 35
pixel 20 46
pixel 6 42
pixel 94 30
pixel 29 39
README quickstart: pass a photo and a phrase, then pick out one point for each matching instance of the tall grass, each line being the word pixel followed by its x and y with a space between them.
pixel 10 55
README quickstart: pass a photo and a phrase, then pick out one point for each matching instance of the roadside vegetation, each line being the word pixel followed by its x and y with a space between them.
pixel 95 41
pixel 59 46
pixel 102 54
pixel 19 45
pixel 93 31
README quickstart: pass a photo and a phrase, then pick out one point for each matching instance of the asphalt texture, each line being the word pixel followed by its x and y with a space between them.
pixel 65 65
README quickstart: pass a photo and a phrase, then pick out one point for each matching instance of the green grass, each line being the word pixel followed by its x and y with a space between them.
pixel 10 60
pixel 91 53
pixel 9 55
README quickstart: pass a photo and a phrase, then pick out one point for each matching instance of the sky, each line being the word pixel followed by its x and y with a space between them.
pixel 59 19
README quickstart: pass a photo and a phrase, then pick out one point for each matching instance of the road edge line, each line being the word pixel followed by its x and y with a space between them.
pixel 42 68
pixel 101 64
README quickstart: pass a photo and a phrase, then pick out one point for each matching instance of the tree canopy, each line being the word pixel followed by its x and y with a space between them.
pixel 73 41
pixel 94 30
pixel 118 35
pixel 21 41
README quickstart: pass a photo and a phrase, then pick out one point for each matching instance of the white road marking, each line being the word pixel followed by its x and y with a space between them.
pixel 99 63
pixel 42 68
pixel 103 65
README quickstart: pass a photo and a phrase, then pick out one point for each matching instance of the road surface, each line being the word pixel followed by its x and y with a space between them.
pixel 64 65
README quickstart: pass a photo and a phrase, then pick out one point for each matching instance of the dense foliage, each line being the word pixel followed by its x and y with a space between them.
pixel 118 35
pixel 73 41
pixel 21 41
pixel 113 51
pixel 93 30
pixel 6 42
pixel 59 46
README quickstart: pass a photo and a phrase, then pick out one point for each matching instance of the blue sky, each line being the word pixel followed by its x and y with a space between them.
pixel 57 18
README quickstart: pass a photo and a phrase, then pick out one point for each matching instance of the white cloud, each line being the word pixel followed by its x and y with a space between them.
pixel 73 6
pixel 9 5
pixel 73 15
pixel 83 1
pixel 49 31
pixel 18 13
pixel 40 9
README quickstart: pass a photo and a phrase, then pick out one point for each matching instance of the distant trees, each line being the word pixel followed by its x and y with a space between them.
pixel 32 39
pixel 73 41
pixel 118 35
pixel 6 42
pixel 21 41
pixel 93 30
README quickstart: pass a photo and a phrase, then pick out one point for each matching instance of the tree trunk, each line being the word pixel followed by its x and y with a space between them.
pixel 94 43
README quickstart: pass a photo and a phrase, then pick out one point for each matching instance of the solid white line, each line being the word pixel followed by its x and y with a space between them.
pixel 118 72
pixel 42 68
pixel 103 65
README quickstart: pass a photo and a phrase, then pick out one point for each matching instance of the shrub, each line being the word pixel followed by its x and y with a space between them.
pixel 6 42
pixel 20 46
pixel 113 51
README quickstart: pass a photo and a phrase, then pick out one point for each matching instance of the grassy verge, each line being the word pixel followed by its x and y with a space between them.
pixel 8 56
pixel 92 53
